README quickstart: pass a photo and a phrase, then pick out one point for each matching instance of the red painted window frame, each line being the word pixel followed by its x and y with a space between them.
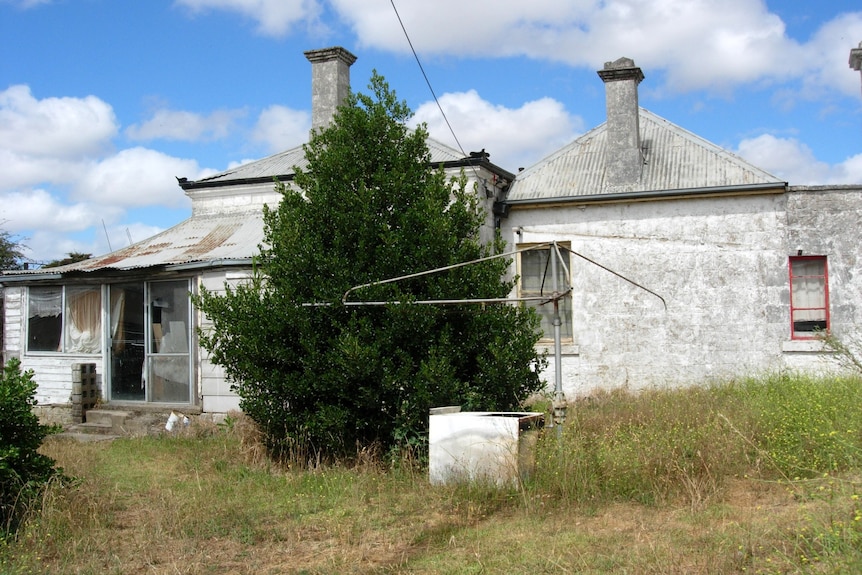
pixel 793 308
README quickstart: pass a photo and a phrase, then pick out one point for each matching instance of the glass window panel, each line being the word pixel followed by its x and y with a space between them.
pixel 170 378
pixel 536 279
pixel 127 341
pixel 812 267
pixel 546 313
pixel 169 313
pixel 44 319
pixel 808 296
pixel 83 325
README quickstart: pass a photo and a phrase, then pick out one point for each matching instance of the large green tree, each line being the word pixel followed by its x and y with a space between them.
pixel 322 376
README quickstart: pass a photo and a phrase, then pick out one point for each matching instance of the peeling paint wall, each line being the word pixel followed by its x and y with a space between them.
pixel 720 263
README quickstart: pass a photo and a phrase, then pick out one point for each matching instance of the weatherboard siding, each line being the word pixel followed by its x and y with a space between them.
pixel 215 392
pixel 54 376
pixel 13 325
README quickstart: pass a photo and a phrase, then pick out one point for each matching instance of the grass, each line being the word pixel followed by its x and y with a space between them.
pixel 752 476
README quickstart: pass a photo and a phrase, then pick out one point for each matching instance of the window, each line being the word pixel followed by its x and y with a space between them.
pixel 536 280
pixel 64 319
pixel 809 296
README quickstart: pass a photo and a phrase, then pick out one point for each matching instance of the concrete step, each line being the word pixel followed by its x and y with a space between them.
pixel 113 419
pixel 93 428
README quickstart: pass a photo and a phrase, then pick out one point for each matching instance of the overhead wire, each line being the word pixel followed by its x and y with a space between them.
pixel 428 82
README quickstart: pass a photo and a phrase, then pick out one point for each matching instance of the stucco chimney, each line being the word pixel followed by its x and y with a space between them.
pixel 856 58
pixel 330 83
pixel 624 157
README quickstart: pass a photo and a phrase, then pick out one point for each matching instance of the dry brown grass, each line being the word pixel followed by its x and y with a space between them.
pixel 662 486
pixel 207 504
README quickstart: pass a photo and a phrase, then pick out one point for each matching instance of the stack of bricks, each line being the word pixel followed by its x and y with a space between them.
pixel 85 390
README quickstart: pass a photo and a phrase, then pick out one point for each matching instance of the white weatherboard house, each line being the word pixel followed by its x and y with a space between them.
pixel 750 268
pixel 129 314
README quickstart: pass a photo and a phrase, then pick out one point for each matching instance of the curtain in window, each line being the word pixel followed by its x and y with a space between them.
pixel 83 320
pixel 118 306
pixel 809 291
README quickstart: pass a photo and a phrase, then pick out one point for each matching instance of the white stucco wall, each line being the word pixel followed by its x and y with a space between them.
pixel 720 263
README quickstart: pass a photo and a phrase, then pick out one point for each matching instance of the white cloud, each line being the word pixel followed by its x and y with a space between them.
pixel 137 177
pixel 794 162
pixel 515 138
pixel 22 171
pixel 826 66
pixel 54 127
pixel 281 128
pixel 185 126
pixel 61 176
pixel 274 17
pixel 37 208
pixel 701 44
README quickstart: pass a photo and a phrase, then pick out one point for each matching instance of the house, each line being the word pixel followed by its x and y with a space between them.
pixel 128 314
pixel 748 268
pixel 680 263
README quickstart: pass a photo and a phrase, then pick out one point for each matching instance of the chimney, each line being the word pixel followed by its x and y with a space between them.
pixel 856 58
pixel 330 83
pixel 624 157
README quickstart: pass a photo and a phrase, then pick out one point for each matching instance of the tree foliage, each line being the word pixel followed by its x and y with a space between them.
pixel 23 470
pixel 11 255
pixel 71 258
pixel 369 207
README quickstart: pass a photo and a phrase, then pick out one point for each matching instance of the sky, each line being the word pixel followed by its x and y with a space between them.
pixel 103 104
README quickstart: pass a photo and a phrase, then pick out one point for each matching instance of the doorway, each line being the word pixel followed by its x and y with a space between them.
pixel 149 334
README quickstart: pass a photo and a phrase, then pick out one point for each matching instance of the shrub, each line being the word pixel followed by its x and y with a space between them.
pixel 23 470
pixel 320 377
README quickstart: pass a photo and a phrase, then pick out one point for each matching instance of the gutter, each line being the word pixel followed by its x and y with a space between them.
pixel 227 182
pixel 113 273
pixel 746 189
pixel 208 264
pixel 28 277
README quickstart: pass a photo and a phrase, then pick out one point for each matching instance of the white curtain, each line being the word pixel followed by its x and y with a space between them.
pixel 83 319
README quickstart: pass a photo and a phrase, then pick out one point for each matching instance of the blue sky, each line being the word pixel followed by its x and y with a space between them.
pixel 104 103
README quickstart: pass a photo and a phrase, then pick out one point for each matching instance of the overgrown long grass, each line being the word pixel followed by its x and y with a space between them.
pixel 756 476
pixel 666 446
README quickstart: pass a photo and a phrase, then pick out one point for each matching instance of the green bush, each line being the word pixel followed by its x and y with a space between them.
pixel 23 470
pixel 321 377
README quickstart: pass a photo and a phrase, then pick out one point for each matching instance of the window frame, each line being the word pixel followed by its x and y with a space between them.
pixel 64 323
pixel 566 315
pixel 797 334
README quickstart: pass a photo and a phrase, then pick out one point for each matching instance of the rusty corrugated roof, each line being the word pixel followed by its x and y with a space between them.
pixel 201 238
pixel 674 159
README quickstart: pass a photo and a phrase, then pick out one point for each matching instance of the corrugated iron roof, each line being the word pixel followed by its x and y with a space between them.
pixel 201 238
pixel 674 159
pixel 209 237
pixel 284 163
